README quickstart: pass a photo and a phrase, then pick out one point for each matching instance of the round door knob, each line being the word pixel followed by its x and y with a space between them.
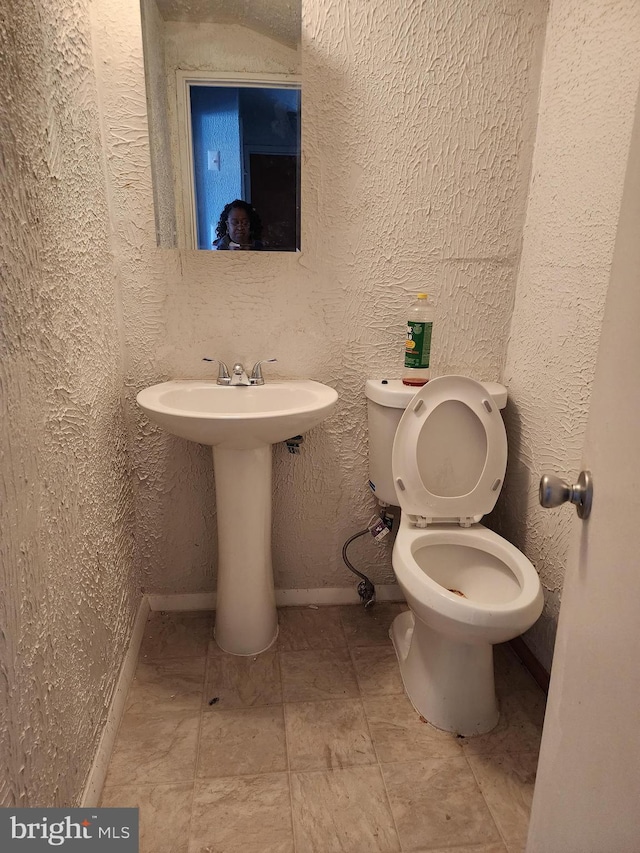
pixel 554 491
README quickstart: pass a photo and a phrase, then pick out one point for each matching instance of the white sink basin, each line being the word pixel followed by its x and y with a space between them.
pixel 241 423
pixel 237 417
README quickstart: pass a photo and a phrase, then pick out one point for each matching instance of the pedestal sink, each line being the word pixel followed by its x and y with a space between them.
pixel 241 423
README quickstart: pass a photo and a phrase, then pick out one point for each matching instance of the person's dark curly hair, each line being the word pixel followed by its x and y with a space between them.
pixel 255 224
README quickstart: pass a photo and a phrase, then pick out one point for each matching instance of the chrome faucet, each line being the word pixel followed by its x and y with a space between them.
pixel 223 371
pixel 256 374
pixel 238 375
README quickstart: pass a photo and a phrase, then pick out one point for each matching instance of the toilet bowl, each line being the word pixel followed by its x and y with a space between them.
pixel 466 587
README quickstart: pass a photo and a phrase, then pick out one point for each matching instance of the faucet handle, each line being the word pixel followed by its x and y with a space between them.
pixel 223 371
pixel 256 374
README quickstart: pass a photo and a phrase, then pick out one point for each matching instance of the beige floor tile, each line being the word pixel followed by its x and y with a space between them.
pixel 519 728
pixel 304 628
pixel 243 803
pixel 510 672
pixel 533 703
pixel 156 749
pixel 242 741
pixel 327 735
pixel 165 813
pixel 369 627
pixel 342 811
pixel 245 814
pixel 242 682
pixel 176 635
pixel 399 734
pixel 377 670
pixel 317 674
pixel 174 684
pixel 438 803
pixel 507 782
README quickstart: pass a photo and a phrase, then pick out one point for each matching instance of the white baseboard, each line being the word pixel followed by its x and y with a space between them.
pixel 334 595
pixel 183 601
pixel 97 775
pixel 284 597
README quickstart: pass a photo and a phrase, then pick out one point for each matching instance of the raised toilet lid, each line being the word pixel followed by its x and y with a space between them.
pixel 449 452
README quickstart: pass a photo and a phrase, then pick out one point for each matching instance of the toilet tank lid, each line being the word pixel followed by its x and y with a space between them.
pixel 395 395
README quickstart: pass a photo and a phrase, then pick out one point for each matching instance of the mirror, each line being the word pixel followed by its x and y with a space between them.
pixel 223 100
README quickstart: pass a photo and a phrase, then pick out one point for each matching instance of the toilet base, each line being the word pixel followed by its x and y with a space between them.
pixel 450 684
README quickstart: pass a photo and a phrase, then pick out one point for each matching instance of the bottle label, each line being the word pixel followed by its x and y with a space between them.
pixel 418 347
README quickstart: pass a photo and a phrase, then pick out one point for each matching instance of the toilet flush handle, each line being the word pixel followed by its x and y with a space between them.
pixel 554 491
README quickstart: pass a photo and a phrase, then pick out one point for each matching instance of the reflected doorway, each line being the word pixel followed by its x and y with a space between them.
pixel 272 182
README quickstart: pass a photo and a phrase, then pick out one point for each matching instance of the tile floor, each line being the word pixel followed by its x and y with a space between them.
pixel 312 747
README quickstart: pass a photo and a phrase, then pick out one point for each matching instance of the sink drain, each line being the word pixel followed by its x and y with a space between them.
pixel 457 592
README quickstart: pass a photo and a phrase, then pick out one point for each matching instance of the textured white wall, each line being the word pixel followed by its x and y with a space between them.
pixel 590 79
pixel 67 591
pixel 418 124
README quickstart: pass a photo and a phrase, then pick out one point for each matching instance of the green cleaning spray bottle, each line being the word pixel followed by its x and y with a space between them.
pixel 418 346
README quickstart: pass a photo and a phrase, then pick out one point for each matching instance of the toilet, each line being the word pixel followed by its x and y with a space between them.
pixel 466 587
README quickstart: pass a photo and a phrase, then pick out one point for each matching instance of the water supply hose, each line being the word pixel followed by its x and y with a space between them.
pixel 366 589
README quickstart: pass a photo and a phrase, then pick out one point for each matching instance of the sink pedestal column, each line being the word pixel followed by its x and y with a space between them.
pixel 246 616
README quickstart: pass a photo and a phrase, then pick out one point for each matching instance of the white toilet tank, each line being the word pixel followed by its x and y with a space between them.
pixel 386 401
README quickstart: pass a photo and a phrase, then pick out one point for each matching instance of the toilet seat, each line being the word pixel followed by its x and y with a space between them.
pixel 449 453
pixel 489 617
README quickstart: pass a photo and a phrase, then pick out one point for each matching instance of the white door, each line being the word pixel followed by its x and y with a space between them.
pixel 587 795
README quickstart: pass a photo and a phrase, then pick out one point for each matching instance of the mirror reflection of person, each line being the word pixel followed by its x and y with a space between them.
pixel 239 227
